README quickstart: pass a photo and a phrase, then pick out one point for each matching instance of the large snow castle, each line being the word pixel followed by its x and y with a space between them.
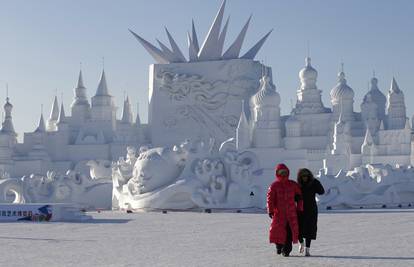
pixel 213 137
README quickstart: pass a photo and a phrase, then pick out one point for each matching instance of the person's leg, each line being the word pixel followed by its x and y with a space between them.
pixel 308 242
pixel 301 244
pixel 279 248
pixel 288 244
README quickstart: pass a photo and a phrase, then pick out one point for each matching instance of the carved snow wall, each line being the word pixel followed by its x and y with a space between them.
pixel 199 100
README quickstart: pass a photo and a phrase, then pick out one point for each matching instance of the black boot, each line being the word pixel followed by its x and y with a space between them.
pixel 279 249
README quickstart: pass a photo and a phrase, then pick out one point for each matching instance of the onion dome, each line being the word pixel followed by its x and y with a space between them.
pixel 8 107
pixel 308 75
pixel 376 95
pixel 267 95
pixel 341 90
pixel 7 126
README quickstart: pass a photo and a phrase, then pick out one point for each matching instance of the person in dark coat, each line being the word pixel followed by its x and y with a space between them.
pixel 308 219
pixel 282 209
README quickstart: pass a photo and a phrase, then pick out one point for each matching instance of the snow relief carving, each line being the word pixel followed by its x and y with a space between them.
pixel 56 188
pixel 203 101
pixel 191 175
pixel 372 185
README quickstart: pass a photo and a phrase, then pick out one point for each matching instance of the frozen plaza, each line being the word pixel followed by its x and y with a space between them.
pixel 352 238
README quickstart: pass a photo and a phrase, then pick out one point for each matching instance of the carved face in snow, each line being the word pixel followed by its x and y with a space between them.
pixel 155 168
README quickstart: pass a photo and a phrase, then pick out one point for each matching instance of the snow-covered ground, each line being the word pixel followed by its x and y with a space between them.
pixel 349 238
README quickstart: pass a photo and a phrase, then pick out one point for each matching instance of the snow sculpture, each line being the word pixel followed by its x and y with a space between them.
pixel 100 169
pixel 212 47
pixel 191 175
pixel 55 188
pixel 199 98
pixel 372 185
pixel 11 191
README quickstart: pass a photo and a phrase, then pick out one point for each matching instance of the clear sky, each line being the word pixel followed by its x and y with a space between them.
pixel 43 42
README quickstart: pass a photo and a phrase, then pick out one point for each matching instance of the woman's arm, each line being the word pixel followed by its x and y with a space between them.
pixel 271 201
pixel 298 198
pixel 318 187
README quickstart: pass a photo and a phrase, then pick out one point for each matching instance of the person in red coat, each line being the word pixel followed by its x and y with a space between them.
pixel 284 201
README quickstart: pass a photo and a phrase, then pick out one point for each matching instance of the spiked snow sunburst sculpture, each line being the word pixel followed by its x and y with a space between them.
pixel 211 49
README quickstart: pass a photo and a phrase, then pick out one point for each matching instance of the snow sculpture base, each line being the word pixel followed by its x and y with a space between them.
pixel 192 175
pixel 373 185
pixel 42 212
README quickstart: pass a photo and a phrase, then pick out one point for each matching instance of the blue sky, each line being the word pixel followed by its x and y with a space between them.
pixel 43 42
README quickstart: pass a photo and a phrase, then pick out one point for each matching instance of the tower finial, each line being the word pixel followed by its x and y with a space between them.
pixel 7 91
pixel 307 48
pixel 80 66
pixel 103 63
pixel 342 65
pixel 373 73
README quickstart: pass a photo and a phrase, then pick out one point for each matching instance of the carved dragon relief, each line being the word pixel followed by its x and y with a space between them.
pixel 203 101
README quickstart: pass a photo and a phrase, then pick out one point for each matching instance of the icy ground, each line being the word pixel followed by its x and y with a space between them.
pixel 352 238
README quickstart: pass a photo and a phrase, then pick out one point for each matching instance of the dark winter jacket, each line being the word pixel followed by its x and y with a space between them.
pixel 308 220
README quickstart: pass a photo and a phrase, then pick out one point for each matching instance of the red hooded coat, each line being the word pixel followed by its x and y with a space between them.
pixel 281 198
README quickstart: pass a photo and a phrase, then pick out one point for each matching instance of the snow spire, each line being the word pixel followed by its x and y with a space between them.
pixel 80 80
pixel 54 112
pixel 156 53
pixel 178 55
pixel 222 38
pixel 234 50
pixel 251 54
pixel 194 37
pixel 7 125
pixel 192 52
pixel 126 112
pixel 209 48
pixel 41 127
pixel 62 116
pixel 54 115
pixel 394 86
pixel 102 87
pixel 167 52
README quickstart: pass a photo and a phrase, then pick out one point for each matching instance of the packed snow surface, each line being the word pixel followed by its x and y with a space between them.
pixel 346 238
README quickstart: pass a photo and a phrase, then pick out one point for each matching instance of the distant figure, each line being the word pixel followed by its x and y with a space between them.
pixel 282 209
pixel 308 220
